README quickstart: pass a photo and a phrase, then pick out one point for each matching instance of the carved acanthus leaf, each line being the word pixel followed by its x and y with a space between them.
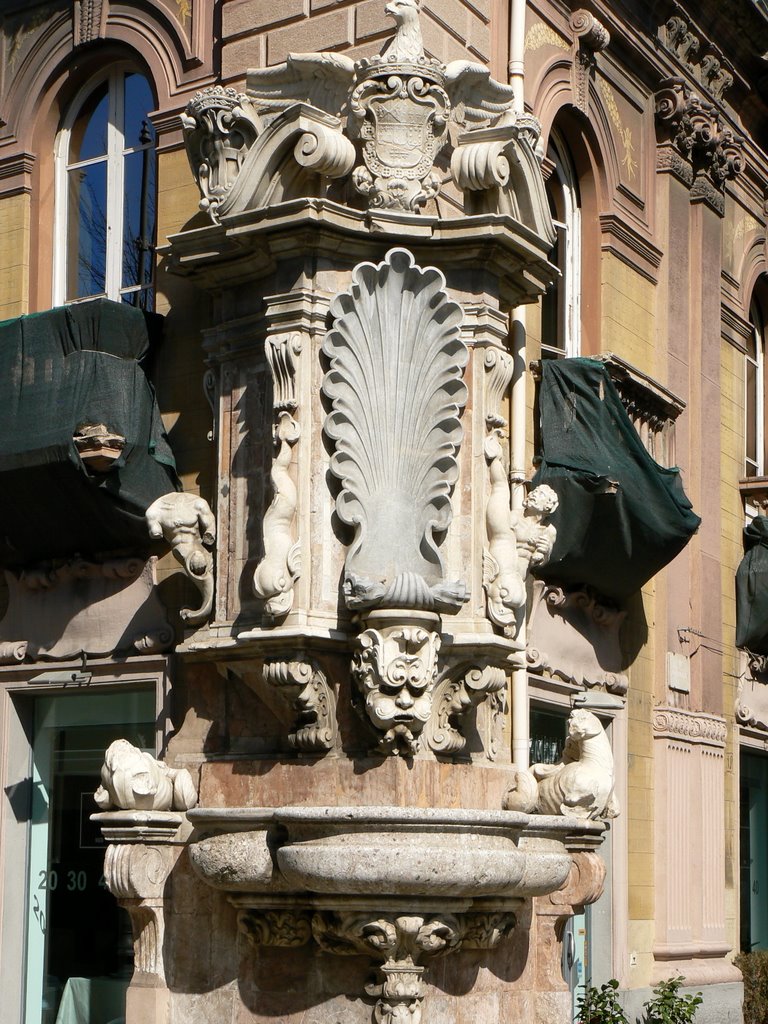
pixel 275 927
pixel 396 388
pixel 455 698
pixel 303 685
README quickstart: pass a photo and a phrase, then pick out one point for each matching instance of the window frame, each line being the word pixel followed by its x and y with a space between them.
pixel 755 468
pixel 115 159
pixel 568 228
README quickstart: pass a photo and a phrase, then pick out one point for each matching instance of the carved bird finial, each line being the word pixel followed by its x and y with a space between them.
pixel 407 44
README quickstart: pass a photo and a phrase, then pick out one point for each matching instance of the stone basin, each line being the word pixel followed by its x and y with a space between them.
pixel 386 851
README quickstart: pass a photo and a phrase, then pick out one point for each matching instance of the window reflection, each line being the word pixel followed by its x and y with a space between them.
pixel 109 194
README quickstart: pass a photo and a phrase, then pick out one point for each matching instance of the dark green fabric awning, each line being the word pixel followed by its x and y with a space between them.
pixel 59 370
pixel 622 516
pixel 752 589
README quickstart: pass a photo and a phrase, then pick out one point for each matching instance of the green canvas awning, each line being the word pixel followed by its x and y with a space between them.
pixel 60 370
pixel 752 589
pixel 622 517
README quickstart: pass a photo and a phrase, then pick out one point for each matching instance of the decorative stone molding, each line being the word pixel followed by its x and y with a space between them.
pixel 139 858
pixel 220 125
pixel 581 785
pixel 395 670
pixel 590 37
pixel 280 568
pixel 696 145
pixel 396 435
pixel 83 607
pixel 681 38
pixel 134 780
pixel 574 635
pixel 12 652
pixel 304 687
pixel 455 698
pixel 185 521
pixel 397 105
pixel 695 727
pixel 89 20
pixel 286 928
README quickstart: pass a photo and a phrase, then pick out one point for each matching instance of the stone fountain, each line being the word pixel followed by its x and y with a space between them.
pixel 371 226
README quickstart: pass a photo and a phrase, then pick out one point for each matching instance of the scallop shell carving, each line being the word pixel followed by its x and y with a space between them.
pixel 396 388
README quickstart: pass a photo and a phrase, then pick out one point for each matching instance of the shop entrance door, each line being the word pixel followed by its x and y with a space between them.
pixel 79 948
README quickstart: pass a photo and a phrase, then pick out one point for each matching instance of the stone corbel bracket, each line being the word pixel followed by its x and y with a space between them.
pixel 303 686
pixel 590 36
pixel 498 172
pixel 186 523
pixel 696 145
pixel 302 136
pixel 280 568
pixel 456 698
pixel 142 849
pixel 689 46
pixel 401 944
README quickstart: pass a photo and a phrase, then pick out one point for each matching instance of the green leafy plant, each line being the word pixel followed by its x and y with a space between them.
pixel 600 1006
pixel 669 1007
pixel 754 968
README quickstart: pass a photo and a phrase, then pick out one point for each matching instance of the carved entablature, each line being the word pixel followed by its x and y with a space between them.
pixel 694 143
pixel 590 37
pixel 379 125
pixel 684 41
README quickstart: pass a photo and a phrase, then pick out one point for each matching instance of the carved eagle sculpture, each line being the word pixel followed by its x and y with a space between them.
pixel 325 80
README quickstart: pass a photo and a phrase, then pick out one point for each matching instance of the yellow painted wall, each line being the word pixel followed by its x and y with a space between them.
pixel 14 255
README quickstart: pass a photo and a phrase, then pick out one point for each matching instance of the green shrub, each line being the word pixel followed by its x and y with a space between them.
pixel 601 1006
pixel 668 1007
pixel 754 967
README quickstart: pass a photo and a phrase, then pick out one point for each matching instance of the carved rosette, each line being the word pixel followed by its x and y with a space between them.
pixel 402 110
pixel 220 125
pixel 276 574
pixel 304 687
pixel 455 699
pixel 396 389
pixel 395 670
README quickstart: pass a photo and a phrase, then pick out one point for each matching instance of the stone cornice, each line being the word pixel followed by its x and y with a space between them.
pixel 689 726
pixel 619 238
pixel 15 174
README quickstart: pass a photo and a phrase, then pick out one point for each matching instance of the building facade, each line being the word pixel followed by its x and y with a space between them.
pixel 308 570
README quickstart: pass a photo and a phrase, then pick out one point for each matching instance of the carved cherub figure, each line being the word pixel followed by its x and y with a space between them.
pixel 186 522
pixel 134 780
pixel 535 538
pixel 580 785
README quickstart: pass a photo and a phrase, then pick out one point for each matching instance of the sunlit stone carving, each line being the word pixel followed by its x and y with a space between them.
pixel 134 780
pixel 581 785
pixel 186 522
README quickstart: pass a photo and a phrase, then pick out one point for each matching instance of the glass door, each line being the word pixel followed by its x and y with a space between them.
pixel 754 852
pixel 79 947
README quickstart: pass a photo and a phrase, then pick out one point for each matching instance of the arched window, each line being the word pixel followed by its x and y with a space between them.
pixel 105 194
pixel 561 306
pixel 754 397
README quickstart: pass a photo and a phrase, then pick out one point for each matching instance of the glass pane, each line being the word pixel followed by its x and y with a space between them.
pixel 138 218
pixel 751 412
pixel 79 955
pixel 89 133
pixel 138 102
pixel 87 231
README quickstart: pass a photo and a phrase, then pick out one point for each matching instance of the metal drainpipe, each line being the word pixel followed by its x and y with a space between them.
pixel 520 706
